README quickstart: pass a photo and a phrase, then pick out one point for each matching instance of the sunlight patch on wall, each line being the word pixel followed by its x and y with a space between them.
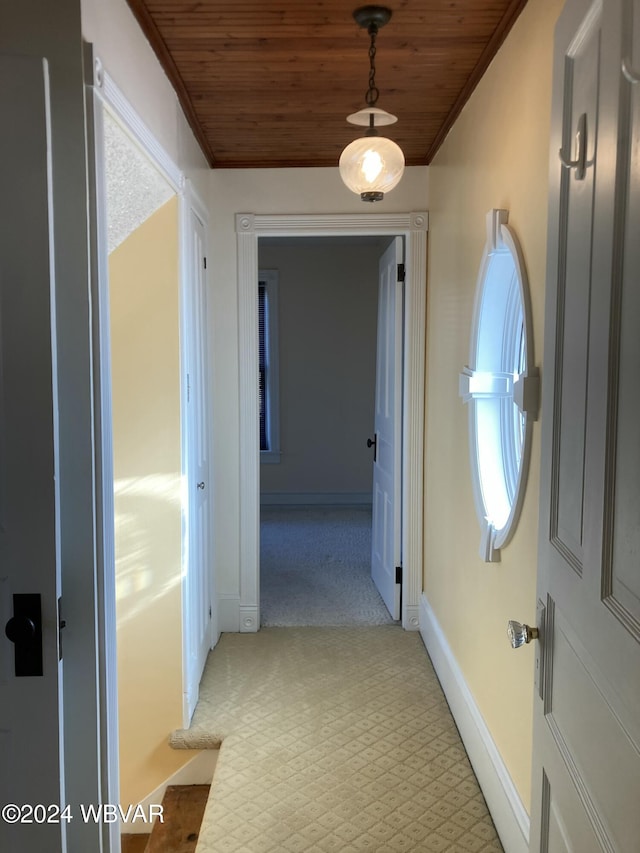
pixel 143 503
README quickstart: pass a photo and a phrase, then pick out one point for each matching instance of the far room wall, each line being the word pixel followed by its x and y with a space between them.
pixel 328 292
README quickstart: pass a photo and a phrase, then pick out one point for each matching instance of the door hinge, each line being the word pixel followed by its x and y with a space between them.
pixel 401 272
pixel 398 574
pixel 204 261
pixel 62 623
pixel 209 611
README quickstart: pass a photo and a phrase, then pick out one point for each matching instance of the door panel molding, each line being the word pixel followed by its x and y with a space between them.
pixel 620 588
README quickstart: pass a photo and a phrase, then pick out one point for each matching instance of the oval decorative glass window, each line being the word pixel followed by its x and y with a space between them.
pixel 501 386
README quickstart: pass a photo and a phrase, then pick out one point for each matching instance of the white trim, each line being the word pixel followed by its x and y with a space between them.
pixel 330 224
pixel 249 618
pixel 228 613
pixel 198 771
pixel 507 810
pixel 249 439
pixel 413 227
pixel 185 330
pixel 413 617
pixel 105 552
pixel 315 498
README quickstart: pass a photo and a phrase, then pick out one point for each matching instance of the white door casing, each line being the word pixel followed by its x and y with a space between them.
pixel 241 611
pixel 198 613
pixel 105 507
pixel 31 770
pixel 387 497
pixel 586 756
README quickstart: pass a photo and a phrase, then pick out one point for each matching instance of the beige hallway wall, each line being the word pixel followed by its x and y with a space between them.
pixel 496 156
pixel 144 289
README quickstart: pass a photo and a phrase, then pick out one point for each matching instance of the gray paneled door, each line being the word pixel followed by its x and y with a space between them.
pixel 586 776
pixel 30 670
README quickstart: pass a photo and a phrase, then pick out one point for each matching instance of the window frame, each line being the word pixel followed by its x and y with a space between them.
pixel 272 454
pixel 501 386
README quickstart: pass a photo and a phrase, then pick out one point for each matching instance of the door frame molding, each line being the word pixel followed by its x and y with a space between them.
pixel 413 227
pixel 103 93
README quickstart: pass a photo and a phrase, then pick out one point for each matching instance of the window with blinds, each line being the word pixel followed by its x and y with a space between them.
pixel 263 342
pixel 268 366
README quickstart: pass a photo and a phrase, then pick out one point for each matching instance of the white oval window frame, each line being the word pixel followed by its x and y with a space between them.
pixel 501 386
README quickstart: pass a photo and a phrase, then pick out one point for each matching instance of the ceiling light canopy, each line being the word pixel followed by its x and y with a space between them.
pixel 373 164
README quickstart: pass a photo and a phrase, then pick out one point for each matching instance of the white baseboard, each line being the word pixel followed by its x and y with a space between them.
pixel 315 498
pixel 509 814
pixel 198 771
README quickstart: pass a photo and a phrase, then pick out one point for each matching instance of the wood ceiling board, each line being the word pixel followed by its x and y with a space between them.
pixel 272 84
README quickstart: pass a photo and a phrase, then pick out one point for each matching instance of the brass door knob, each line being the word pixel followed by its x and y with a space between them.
pixel 520 634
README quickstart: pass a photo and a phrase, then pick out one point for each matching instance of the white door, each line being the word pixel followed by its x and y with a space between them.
pixel 387 504
pixel 586 775
pixel 198 630
pixel 30 670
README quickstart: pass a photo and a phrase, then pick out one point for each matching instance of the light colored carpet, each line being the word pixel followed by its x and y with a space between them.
pixel 315 568
pixel 334 740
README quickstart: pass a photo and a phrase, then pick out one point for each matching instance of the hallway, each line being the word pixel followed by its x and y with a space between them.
pixel 333 739
pixel 315 567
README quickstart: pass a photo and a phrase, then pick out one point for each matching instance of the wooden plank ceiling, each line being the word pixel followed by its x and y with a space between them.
pixel 267 84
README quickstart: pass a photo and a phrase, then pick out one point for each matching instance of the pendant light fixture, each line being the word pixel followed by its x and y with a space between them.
pixel 373 164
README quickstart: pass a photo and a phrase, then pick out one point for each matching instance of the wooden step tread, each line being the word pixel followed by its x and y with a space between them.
pixel 183 809
pixel 130 843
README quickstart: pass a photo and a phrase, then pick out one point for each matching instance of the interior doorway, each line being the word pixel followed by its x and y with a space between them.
pixel 318 329
pixel 412 227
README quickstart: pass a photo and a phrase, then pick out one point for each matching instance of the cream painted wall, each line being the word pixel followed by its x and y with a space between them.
pixel 328 303
pixel 144 288
pixel 232 191
pixel 495 156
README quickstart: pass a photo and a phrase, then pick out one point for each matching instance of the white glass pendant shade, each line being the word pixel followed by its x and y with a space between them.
pixel 371 166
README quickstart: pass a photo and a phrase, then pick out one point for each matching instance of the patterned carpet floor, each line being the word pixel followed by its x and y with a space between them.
pixel 334 740
pixel 315 568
